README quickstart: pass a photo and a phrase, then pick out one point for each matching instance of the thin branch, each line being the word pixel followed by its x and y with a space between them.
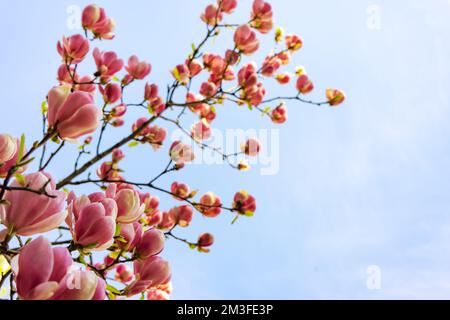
pixel 53 155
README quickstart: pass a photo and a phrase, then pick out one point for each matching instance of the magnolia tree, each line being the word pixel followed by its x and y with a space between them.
pixel 122 223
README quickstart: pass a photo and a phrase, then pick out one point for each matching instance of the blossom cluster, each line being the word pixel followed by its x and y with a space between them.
pixel 122 228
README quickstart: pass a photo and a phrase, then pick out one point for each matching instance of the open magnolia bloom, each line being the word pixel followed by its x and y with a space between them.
pixel 100 229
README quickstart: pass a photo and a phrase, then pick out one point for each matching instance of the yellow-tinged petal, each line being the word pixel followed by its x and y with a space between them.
pixel 4 265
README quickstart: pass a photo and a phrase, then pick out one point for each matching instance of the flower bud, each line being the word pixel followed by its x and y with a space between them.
pixel 335 97
pixel 210 205
pixel 279 114
pixel 283 78
pixel 293 42
pixel 180 191
pixel 124 273
pixel 228 6
pixel 150 244
pixel 117 155
pixel 252 147
pixel 181 153
pixel 119 110
pixel 304 85
pixel 244 203
pixel 204 241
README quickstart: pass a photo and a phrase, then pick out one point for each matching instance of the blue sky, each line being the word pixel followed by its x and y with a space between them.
pixel 364 184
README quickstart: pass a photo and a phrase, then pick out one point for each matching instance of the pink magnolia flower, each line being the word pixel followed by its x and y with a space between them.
pixel 231 57
pixel 150 244
pixel 151 203
pixel 117 155
pixel 205 240
pixel 181 73
pixel 151 92
pixel 63 75
pixel 119 110
pixel 207 112
pixel 130 234
pixel 181 153
pixel 108 64
pixel 168 220
pixel 270 66
pixel 155 103
pixel 157 295
pixel 100 290
pixel 157 106
pixel 181 215
pixel 39 269
pixel 86 84
pixel 8 148
pixel 72 114
pixel 219 67
pixel 129 205
pixel 246 40
pixel 210 205
pixel 138 125
pixel 73 49
pixel 93 223
pixel 208 89
pixel 279 114
pixel 283 78
pixel 154 218
pixel 8 164
pixel 244 203
pixel 262 16
pixel 304 85
pixel 195 101
pixel 111 92
pixel 138 69
pixel 91 15
pixel 293 42
pixel 335 97
pixel 254 95
pixel 247 76
pixel 285 57
pixel 180 191
pixel 124 273
pixel 195 67
pixel 212 15
pixel 94 18
pixel 156 136
pixel 80 285
pixel 108 171
pixel 201 130
pixel 228 6
pixel 149 273
pixel 209 59
pixel 252 147
pixel 29 213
